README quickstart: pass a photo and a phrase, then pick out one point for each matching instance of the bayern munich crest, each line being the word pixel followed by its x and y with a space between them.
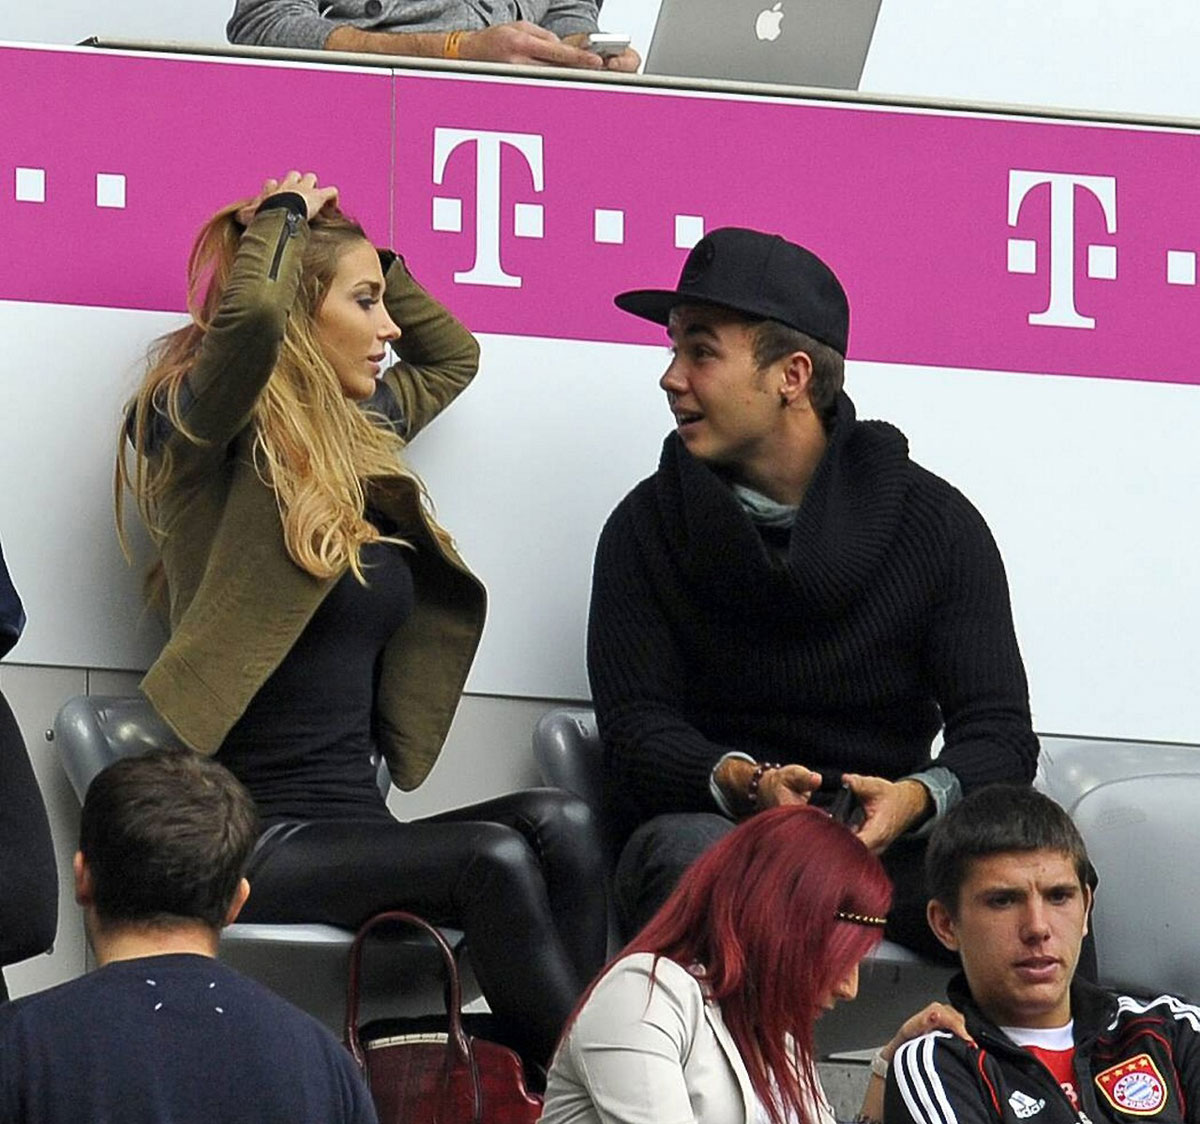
pixel 1135 1086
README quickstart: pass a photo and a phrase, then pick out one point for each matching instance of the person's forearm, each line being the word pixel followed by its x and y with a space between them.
pixel 660 762
pixel 871 1111
pixel 415 44
pixel 238 351
pixel 973 665
pixel 439 355
pixel 521 43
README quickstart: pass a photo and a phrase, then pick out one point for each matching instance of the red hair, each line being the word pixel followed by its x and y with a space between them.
pixel 757 912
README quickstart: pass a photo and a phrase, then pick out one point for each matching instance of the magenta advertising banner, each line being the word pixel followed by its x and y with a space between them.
pixel 109 164
pixel 964 240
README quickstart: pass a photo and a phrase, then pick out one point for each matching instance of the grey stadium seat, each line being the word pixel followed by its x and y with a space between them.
pixel 306 964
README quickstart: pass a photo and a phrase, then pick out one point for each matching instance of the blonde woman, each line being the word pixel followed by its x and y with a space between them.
pixel 319 614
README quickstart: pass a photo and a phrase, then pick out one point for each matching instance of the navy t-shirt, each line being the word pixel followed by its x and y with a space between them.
pixel 175 1039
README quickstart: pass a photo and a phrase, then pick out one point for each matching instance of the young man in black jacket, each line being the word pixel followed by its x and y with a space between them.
pixel 1010 883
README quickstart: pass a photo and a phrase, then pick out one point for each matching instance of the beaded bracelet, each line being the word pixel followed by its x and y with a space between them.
pixel 451 47
pixel 760 770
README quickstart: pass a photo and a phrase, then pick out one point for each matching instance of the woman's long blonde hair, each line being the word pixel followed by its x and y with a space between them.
pixel 313 446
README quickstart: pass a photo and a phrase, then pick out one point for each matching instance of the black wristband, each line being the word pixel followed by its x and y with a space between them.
pixel 289 200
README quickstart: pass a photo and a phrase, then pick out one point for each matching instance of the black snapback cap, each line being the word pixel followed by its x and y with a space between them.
pixel 760 275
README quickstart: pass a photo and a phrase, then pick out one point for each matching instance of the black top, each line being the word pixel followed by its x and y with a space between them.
pixel 12 615
pixel 303 747
pixel 888 615
pixel 172 1038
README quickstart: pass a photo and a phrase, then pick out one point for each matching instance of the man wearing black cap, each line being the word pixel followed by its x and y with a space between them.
pixel 789 598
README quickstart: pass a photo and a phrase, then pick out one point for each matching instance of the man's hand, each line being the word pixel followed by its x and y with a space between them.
pixel 627 61
pixel 891 808
pixel 525 43
pixel 789 784
pixel 520 42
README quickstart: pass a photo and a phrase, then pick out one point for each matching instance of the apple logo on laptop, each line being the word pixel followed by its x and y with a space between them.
pixel 767 26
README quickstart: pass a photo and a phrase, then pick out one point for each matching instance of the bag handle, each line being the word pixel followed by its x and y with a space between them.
pixel 457 1040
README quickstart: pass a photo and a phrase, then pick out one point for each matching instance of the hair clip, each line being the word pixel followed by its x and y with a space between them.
pixel 859 918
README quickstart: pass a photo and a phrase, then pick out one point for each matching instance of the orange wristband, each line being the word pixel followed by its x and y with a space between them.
pixel 451 46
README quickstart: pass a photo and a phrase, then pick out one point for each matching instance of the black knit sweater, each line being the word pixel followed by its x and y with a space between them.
pixel 889 616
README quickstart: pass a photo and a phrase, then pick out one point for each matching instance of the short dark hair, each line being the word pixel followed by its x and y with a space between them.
pixel 166 835
pixel 773 340
pixel 992 820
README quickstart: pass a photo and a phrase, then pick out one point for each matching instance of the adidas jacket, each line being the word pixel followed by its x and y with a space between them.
pixel 1134 1060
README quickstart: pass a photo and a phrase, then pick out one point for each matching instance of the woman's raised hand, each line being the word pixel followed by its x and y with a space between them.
pixel 304 185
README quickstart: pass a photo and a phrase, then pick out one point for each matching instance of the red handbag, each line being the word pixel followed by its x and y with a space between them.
pixel 444 1077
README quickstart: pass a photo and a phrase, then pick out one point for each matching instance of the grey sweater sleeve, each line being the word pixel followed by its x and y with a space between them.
pixel 299 23
pixel 279 23
pixel 571 17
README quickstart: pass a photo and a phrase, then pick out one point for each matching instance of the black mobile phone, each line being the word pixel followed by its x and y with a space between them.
pixel 844 807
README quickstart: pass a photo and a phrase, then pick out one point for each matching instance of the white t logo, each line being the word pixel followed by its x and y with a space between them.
pixel 488 269
pixel 1022 253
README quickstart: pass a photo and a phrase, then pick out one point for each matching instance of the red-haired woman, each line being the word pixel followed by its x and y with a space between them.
pixel 708 1015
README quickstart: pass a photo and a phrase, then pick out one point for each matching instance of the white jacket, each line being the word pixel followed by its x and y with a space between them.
pixel 638 1054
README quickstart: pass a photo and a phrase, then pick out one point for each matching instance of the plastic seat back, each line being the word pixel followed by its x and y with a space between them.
pixel 93 731
pixel 305 963
pixel 1135 806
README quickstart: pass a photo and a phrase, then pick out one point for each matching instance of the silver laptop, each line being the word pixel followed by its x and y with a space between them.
pixel 795 42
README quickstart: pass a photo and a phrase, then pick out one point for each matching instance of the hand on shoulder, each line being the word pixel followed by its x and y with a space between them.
pixel 936 1016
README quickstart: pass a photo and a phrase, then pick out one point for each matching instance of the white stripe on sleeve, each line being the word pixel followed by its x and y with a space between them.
pixel 920 1083
pixel 1183 1012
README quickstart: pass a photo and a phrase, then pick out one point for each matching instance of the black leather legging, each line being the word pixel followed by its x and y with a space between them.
pixel 522 875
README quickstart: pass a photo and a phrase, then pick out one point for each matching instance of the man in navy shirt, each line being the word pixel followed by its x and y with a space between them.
pixel 162 1030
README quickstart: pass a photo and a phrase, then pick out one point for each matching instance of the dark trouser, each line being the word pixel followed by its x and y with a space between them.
pixel 661 849
pixel 522 875
pixel 28 874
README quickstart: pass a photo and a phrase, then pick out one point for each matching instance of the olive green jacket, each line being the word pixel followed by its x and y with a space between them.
pixel 237 601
